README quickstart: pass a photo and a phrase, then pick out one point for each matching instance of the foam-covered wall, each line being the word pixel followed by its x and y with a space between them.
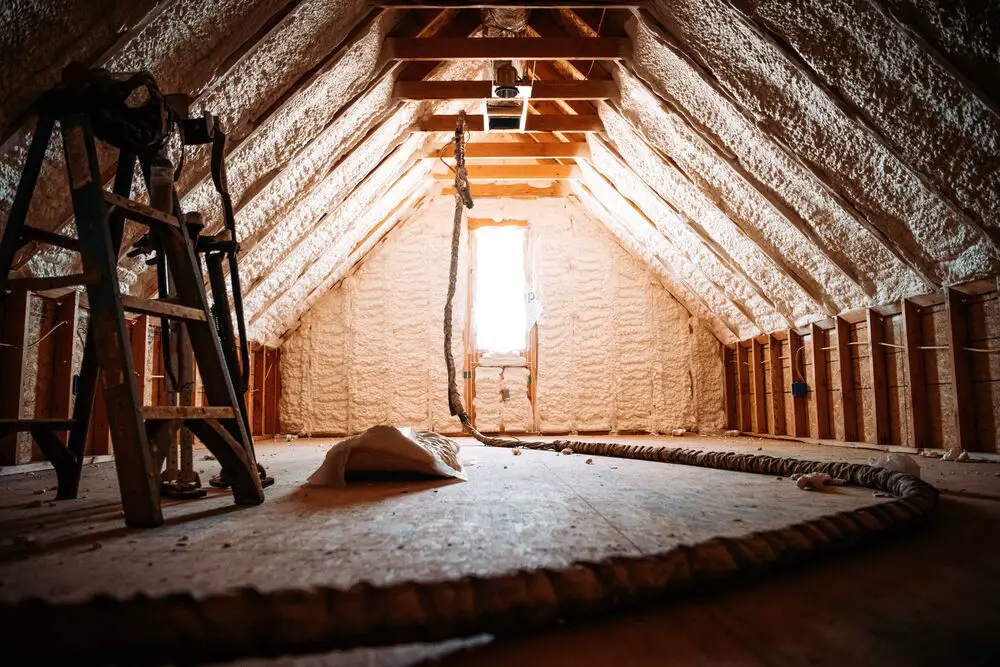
pixel 616 352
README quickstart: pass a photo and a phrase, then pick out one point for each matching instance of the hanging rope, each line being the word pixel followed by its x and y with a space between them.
pixel 184 628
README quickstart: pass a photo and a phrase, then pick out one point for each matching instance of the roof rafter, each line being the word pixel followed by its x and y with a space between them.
pixel 924 271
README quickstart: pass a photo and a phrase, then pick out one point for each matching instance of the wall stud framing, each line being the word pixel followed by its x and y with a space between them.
pixel 848 397
pixel 958 361
pixel 916 378
pixel 777 425
pixel 878 387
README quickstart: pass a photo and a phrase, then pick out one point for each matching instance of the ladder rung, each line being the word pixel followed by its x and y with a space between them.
pixel 136 304
pixel 50 282
pixel 51 238
pixel 59 424
pixel 161 412
pixel 133 210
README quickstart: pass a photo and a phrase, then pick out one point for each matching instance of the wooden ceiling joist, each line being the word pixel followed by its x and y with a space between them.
pixel 487 48
pixel 478 90
pixel 520 172
pixel 535 123
pixel 490 150
pixel 510 191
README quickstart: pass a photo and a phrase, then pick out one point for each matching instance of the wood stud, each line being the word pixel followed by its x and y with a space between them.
pixel 757 377
pixel 796 354
pixel 848 397
pixel 916 379
pixel 777 425
pixel 821 382
pixel 877 380
pixel 958 363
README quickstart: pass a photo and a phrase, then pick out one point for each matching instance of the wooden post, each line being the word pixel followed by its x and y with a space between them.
pixel 777 425
pixel 800 421
pixel 138 333
pixel 958 360
pixel 878 391
pixel 64 342
pixel 259 363
pixel 277 386
pixel 821 383
pixel 271 392
pixel 848 399
pixel 757 369
pixel 13 336
pixel 916 378
pixel 729 385
pixel 743 387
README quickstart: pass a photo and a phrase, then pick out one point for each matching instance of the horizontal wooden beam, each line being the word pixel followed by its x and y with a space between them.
pixel 535 123
pixel 510 191
pixel 501 150
pixel 529 172
pixel 478 90
pixel 506 48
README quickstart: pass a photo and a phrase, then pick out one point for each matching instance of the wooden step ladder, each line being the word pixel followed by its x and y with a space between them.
pixel 140 434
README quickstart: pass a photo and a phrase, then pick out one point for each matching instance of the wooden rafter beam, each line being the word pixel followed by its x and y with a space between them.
pixel 599 89
pixel 532 172
pixel 921 268
pixel 535 123
pixel 504 150
pixel 488 48
pixel 511 191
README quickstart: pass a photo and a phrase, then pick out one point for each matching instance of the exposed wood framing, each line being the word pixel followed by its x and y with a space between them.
pixel 729 386
pixel 859 118
pixel 887 9
pixel 525 172
pixel 257 388
pixel 878 382
pixel 916 379
pixel 64 342
pixel 958 364
pixel 821 382
pixel 534 123
pixel 13 347
pixel 743 387
pixel 777 425
pixel 506 48
pixel 796 354
pixel 597 89
pixel 503 150
pixel 926 272
pixel 510 191
pixel 848 396
pixel 757 377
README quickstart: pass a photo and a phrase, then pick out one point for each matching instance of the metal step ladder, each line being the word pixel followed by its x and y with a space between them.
pixel 140 434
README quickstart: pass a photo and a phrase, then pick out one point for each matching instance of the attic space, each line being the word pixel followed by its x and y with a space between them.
pixel 400 333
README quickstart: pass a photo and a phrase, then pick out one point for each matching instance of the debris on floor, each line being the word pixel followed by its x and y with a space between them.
pixel 515 451
pixel 566 451
pixel 956 454
pixel 590 462
pixel 815 481
pixel 930 454
pixel 732 433
pixel 679 431
pixel 896 462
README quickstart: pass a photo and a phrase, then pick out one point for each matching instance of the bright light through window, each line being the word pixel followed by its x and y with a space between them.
pixel 499 307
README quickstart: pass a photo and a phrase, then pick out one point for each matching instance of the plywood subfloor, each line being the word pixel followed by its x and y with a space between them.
pixel 931 595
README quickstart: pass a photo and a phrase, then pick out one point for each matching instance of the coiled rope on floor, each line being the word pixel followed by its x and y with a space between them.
pixel 184 628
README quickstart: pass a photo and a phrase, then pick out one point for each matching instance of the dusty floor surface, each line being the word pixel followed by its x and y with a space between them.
pixel 931 598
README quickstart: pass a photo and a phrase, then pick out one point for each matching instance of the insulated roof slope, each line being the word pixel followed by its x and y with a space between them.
pixel 773 164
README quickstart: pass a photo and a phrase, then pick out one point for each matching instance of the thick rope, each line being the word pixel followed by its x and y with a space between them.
pixel 184 629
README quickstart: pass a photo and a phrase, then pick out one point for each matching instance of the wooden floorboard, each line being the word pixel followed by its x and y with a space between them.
pixel 929 598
